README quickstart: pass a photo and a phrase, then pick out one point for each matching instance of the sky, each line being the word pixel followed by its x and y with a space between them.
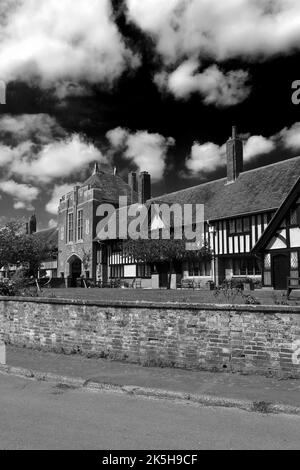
pixel 145 85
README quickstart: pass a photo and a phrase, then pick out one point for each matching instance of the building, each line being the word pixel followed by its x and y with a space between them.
pixel 251 225
pixel 279 245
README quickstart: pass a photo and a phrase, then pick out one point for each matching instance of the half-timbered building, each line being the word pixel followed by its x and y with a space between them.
pixel 251 226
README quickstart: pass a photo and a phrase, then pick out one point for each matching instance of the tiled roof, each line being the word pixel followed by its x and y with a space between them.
pixel 48 236
pixel 255 190
pixel 110 185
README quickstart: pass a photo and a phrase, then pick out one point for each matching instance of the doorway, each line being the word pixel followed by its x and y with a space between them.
pixel 75 269
pixel 281 271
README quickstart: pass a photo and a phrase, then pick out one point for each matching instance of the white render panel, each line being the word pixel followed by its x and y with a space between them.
pixel 253 231
pixel 247 248
pixel 295 237
pixel 225 238
pixel 259 231
pixel 242 248
pixel 236 244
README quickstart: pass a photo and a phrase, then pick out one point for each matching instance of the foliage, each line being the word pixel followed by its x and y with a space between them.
pixel 158 251
pixel 19 285
pixel 280 299
pixel 230 293
pixel 86 258
pixel 155 251
pixel 20 249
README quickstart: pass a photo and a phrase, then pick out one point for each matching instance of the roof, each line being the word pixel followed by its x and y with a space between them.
pixel 110 185
pixel 48 236
pixel 257 190
pixel 277 218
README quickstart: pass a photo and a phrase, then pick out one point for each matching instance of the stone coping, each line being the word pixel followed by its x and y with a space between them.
pixel 158 305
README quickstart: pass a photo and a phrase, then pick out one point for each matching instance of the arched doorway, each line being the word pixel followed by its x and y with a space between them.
pixel 75 269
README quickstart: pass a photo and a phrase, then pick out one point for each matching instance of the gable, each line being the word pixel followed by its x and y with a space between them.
pixel 283 230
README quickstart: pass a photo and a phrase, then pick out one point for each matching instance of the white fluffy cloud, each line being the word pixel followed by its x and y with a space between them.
pixel 61 40
pixel 291 136
pixel 57 192
pixel 39 128
pixel 186 32
pixel 216 87
pixel 57 159
pixel 208 157
pixel 257 145
pixel 205 158
pixel 220 30
pixel 147 151
pixel 22 194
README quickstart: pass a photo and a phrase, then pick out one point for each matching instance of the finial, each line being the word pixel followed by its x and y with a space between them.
pixel 96 169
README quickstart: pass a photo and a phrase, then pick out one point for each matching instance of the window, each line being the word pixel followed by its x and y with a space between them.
pixel 267 269
pixel 295 216
pixel 143 270
pixel 246 267
pixel 117 271
pixel 239 225
pixel 246 224
pixel 294 272
pixel 70 227
pixel 231 226
pixel 202 268
pixel 80 225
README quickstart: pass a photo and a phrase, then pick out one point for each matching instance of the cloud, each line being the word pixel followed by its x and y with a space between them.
pixel 208 157
pixel 247 29
pixel 205 158
pixel 258 145
pixel 290 137
pixel 57 159
pixel 38 128
pixel 216 87
pixel 187 32
pixel 147 151
pixel 61 40
pixel 22 194
pixel 57 193
pixel 52 223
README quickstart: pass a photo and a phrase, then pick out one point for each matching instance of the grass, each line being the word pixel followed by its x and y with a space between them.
pixel 159 295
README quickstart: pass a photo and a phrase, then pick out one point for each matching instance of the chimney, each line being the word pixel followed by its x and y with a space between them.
pixel 144 187
pixel 31 225
pixel 132 181
pixel 234 154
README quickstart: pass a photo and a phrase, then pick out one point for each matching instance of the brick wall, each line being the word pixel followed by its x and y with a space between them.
pixel 248 339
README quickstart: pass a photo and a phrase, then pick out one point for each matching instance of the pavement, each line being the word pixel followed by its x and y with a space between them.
pixel 247 392
pixel 41 415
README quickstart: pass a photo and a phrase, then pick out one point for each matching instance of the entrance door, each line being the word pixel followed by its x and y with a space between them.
pixel 163 270
pixel 280 271
pixel 75 270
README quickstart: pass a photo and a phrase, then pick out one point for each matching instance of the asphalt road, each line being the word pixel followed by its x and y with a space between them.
pixel 37 415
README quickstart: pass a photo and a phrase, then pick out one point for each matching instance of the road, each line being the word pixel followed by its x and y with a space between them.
pixel 38 415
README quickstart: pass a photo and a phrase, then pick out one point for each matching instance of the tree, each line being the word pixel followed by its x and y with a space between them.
pixel 20 249
pixel 170 251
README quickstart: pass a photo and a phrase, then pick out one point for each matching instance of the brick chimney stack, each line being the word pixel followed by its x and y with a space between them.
pixel 31 225
pixel 144 187
pixel 234 154
pixel 132 181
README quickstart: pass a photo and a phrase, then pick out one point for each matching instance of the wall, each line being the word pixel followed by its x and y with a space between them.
pixel 248 339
